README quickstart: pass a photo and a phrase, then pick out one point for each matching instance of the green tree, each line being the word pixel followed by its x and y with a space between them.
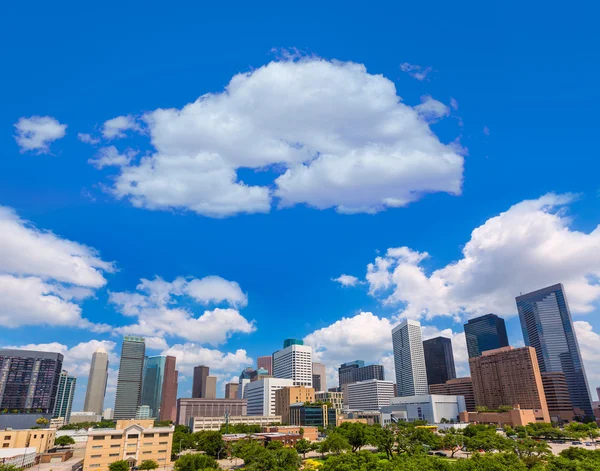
pixel 383 438
pixel 120 465
pixel 195 462
pixel 452 442
pixel 361 461
pixel 148 464
pixel 65 440
pixel 8 467
pixel 303 446
pixel 356 434
pixel 42 421
pixel 162 423
pixel 336 443
pixel 210 442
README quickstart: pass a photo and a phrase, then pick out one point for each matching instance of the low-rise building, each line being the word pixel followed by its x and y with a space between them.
pixel 336 399
pixel 432 408
pixel 288 440
pixel 457 387
pixel 514 418
pixel 197 424
pixel 289 395
pixel 80 417
pixel 57 423
pixel 369 395
pixel 189 408
pixel 131 440
pixel 21 458
pixel 79 436
pixel 363 417
pixel 316 415
pixel 307 432
pixel 42 439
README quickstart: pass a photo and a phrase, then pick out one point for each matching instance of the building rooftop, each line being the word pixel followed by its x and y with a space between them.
pixel 11 452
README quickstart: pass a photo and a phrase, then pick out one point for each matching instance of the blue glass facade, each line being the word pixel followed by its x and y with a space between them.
pixel 152 384
pixel 547 326
pixel 485 333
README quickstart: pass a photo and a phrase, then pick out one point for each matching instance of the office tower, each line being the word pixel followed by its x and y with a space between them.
pixel 439 360
pixel 231 390
pixel 261 395
pixel 159 387
pixel 259 373
pixel 29 380
pixel 266 363
pixel 319 377
pixel 354 371
pixel 210 391
pixel 370 395
pixel 289 395
pixel 294 362
pixel 188 408
pixel 64 396
pixel 547 326
pixel 243 381
pixel 199 381
pixel 556 390
pixel 509 376
pixel 457 387
pixel 485 333
pixel 97 380
pixel 129 381
pixel 409 359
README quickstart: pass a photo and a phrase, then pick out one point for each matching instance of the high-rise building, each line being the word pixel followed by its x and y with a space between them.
pixel 266 363
pixel 97 380
pixel 294 361
pixel 457 387
pixel 199 381
pixel 409 359
pixel 210 391
pixel 259 373
pixel 64 396
pixel 231 390
pixel 243 381
pixel 547 326
pixel 29 380
pixel 485 333
pixel 261 395
pixel 556 390
pixel 439 360
pixel 509 376
pixel 289 395
pixel 159 387
pixel 370 395
pixel 129 381
pixel 319 377
pixel 355 371
pixel 107 414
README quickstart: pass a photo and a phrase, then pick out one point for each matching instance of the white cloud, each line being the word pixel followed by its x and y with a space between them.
pixel 155 304
pixel 110 157
pixel 115 128
pixel 347 280
pixel 191 354
pixel 589 344
pixel 341 136
pixel 43 276
pixel 432 110
pixel 453 103
pixel 38 132
pixel 529 246
pixel 87 138
pixel 416 71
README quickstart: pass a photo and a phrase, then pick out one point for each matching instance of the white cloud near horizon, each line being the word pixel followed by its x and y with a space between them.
pixel 346 280
pixel 115 128
pixel 337 136
pixel 110 157
pixel 416 71
pixel 36 133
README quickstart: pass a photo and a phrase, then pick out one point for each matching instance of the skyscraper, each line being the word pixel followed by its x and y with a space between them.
pixel 29 380
pixel 547 326
pixel 319 377
pixel 508 376
pixel 265 363
pixel 485 333
pixel 97 380
pixel 409 359
pixel 159 386
pixel 199 381
pixel 231 390
pixel 355 371
pixel 294 361
pixel 64 396
pixel 129 382
pixel 210 389
pixel 439 360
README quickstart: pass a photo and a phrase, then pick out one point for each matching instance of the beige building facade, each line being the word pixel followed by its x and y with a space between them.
pixel 133 440
pixel 41 439
pixel 289 395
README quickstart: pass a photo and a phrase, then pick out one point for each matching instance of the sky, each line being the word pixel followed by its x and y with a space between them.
pixel 218 178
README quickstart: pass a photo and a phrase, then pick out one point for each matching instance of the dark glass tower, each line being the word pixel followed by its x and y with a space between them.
pixel 29 380
pixel 439 360
pixel 199 381
pixel 355 371
pixel 485 333
pixel 129 381
pixel 548 327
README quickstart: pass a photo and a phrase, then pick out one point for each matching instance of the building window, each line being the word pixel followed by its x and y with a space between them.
pixel 114 454
pixel 115 437
pixel 96 447
pixel 42 435
pixel 94 466
pixel 164 434
pixel 35 436
pixel 96 456
pixel 146 452
pixel 163 443
pixel 131 453
pixel 115 446
pixel 98 438
pixel 6 445
pixel 148 435
pixel 161 459
pixel 162 451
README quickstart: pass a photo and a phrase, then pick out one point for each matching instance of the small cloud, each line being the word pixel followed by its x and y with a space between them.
pixel 37 132
pixel 431 110
pixel 116 127
pixel 416 71
pixel 453 103
pixel 486 130
pixel 109 157
pixel 346 280
pixel 87 138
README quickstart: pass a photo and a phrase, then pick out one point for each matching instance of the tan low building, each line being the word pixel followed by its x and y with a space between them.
pixel 42 439
pixel 289 395
pixel 308 433
pixel 514 418
pixel 133 440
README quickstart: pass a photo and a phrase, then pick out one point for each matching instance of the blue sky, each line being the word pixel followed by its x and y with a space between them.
pixel 354 128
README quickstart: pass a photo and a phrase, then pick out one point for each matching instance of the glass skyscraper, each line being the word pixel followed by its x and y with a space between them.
pixel 355 371
pixel 129 382
pixel 152 386
pixel 439 360
pixel 548 327
pixel 485 333
pixel 64 397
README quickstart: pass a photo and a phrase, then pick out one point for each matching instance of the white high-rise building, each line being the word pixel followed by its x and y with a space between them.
pixel 370 395
pixel 261 395
pixel 96 387
pixel 409 359
pixel 294 361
